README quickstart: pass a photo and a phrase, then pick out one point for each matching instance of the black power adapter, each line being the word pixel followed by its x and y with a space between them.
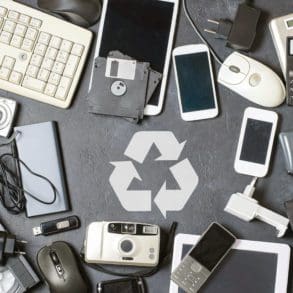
pixel 240 33
pixel 9 246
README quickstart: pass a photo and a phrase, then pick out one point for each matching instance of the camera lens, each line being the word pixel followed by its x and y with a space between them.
pixel 126 246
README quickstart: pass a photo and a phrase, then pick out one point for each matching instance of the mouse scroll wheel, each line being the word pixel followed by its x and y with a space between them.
pixel 234 68
pixel 55 258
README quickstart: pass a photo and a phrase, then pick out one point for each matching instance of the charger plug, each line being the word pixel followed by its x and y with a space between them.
pixel 240 33
pixel 246 208
pixel 9 246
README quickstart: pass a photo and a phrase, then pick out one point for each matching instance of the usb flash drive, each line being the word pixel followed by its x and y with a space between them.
pixel 57 226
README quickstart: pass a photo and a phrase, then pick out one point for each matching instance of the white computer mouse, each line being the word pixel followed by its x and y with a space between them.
pixel 252 80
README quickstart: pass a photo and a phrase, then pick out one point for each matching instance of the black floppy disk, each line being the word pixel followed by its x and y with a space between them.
pixel 122 86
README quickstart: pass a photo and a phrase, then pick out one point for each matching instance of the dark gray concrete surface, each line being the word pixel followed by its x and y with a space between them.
pixel 90 142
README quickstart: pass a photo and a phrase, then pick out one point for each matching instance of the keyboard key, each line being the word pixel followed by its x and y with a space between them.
pixel 71 66
pixel 37 23
pixel 3 11
pixel 55 42
pixel 15 77
pixel 8 62
pixel 33 84
pixel 43 74
pixel 5 37
pixel 9 26
pixel 58 67
pixel 36 60
pixel 32 71
pixel 16 41
pixel 62 57
pixel 66 46
pixel 63 88
pixel 77 50
pixel 40 49
pixel 20 30
pixel 52 53
pixel 24 19
pixel 27 45
pixel 13 15
pixel 44 38
pixel 4 73
pixel 54 78
pixel 48 64
pixel 31 34
pixel 50 90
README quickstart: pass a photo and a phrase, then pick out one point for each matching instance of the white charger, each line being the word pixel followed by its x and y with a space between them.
pixel 243 206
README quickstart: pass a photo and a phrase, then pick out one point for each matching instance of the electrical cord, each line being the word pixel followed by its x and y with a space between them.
pixel 195 28
pixel 11 191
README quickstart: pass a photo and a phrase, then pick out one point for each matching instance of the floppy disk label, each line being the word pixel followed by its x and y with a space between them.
pixel 120 68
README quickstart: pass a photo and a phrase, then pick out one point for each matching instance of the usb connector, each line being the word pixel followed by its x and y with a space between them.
pixel 57 226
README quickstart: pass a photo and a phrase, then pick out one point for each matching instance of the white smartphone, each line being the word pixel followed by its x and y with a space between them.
pixel 143 30
pixel 256 141
pixel 195 82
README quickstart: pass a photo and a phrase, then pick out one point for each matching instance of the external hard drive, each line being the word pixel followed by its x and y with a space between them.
pixel 38 147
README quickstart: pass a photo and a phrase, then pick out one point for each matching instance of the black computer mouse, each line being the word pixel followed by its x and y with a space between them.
pixel 80 12
pixel 60 269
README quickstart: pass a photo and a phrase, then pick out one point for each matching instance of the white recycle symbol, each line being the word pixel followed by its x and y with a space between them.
pixel 125 172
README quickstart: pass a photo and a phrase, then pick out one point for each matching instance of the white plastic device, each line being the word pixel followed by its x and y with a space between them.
pixel 149 109
pixel 41 57
pixel 199 97
pixel 122 243
pixel 252 80
pixel 243 206
pixel 255 143
pixel 281 28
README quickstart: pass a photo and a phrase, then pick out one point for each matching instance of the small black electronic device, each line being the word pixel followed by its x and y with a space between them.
pixel 80 12
pixel 57 226
pixel 60 269
pixel 125 285
pixel 289 71
pixel 203 258
pixel 239 34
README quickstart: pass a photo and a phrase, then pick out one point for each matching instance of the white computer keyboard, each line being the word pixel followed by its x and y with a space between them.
pixel 41 56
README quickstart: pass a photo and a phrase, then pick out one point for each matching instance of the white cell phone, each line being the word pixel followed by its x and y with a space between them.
pixel 143 30
pixel 256 141
pixel 195 82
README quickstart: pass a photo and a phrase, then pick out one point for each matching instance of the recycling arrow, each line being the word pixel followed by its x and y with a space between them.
pixel 175 200
pixel 165 141
pixel 120 180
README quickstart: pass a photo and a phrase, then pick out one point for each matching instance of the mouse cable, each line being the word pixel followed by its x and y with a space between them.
pixel 144 273
pixel 195 28
pixel 11 190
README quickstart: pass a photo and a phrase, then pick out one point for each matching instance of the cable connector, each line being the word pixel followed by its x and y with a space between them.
pixel 9 246
pixel 243 206
pixel 240 33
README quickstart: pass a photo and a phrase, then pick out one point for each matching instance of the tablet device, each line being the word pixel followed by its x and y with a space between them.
pixel 141 29
pixel 251 266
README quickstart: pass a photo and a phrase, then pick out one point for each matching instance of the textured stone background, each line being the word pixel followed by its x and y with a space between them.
pixel 90 142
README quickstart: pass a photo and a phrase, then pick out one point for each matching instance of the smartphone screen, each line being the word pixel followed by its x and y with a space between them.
pixel 195 82
pixel 256 141
pixel 212 246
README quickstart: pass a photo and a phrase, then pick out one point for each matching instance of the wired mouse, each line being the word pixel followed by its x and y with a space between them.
pixel 252 80
pixel 84 13
pixel 60 269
